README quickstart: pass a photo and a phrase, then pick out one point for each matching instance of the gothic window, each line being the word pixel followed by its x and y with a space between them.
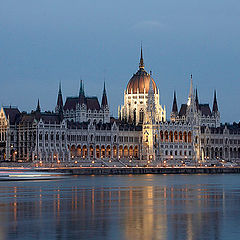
pixel 161 136
pixel 166 136
pixel 185 137
pixel 180 136
pixel 171 136
pixel 141 116
pixel 175 136
pixel 134 115
pixel 189 137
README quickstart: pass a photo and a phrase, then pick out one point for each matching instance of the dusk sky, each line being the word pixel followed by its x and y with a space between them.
pixel 48 41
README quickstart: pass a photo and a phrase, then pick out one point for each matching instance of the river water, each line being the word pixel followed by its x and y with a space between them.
pixel 122 207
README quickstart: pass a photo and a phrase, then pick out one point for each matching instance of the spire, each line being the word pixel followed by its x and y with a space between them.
pixel 150 114
pixel 81 93
pixel 60 88
pixel 196 99
pixel 59 106
pixel 141 64
pixel 174 107
pixel 215 105
pixel 190 97
pixel 38 109
pixel 104 97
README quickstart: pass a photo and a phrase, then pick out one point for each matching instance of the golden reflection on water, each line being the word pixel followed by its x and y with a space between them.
pixel 135 212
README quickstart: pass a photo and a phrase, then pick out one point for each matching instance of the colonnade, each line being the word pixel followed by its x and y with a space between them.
pixel 104 151
pixel 221 152
pixel 175 136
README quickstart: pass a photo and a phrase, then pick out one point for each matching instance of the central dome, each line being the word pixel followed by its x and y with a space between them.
pixel 140 80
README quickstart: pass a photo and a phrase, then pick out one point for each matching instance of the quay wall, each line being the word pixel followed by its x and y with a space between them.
pixel 142 170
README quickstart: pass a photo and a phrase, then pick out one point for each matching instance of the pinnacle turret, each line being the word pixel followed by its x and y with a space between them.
pixel 215 104
pixel 196 99
pixel 81 93
pixel 141 63
pixel 190 96
pixel 174 106
pixel 59 106
pixel 38 109
pixel 104 97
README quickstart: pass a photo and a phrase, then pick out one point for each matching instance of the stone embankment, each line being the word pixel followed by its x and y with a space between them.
pixel 142 170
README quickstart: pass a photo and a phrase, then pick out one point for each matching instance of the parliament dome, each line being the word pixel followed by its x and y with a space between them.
pixel 140 81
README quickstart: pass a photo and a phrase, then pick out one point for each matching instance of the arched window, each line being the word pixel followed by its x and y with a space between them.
pixel 185 137
pixel 180 136
pixel 171 136
pixel 189 137
pixel 161 136
pixel 46 136
pixel 175 136
pixel 134 115
pixel 166 136
pixel 141 116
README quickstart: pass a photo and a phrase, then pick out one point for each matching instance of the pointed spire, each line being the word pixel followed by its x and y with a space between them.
pixel 190 96
pixel 60 88
pixel 174 107
pixel 196 99
pixel 38 109
pixel 215 105
pixel 104 88
pixel 104 97
pixel 141 63
pixel 151 103
pixel 59 106
pixel 81 93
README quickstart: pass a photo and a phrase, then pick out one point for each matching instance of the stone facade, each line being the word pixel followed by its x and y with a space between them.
pixel 81 130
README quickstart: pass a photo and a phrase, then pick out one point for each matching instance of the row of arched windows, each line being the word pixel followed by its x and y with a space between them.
pixel 104 152
pixel 170 136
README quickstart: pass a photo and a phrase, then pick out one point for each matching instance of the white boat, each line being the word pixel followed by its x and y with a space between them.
pixel 29 175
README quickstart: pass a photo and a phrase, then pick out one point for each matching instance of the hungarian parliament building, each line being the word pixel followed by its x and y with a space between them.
pixel 81 129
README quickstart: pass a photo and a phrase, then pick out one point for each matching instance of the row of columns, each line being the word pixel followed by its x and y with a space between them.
pixel 104 152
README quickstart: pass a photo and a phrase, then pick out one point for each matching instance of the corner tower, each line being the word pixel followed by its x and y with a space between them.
pixel 136 96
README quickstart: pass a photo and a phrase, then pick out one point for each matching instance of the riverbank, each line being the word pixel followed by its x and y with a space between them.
pixel 142 170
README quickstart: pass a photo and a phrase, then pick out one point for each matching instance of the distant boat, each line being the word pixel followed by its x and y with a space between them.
pixel 27 175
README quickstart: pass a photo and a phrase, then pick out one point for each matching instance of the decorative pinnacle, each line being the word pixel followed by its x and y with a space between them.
pixel 141 63
pixel 38 109
pixel 60 88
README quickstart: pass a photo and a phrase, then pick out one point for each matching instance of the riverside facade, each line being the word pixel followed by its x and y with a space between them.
pixel 81 129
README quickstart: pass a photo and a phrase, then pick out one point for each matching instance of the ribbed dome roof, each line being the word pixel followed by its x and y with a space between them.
pixel 140 81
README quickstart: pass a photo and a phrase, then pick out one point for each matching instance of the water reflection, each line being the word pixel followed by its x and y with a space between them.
pixel 122 207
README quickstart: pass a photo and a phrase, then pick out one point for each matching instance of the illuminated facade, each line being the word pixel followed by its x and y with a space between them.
pixel 81 130
pixel 136 95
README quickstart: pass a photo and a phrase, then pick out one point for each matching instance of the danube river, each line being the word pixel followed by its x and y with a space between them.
pixel 122 207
